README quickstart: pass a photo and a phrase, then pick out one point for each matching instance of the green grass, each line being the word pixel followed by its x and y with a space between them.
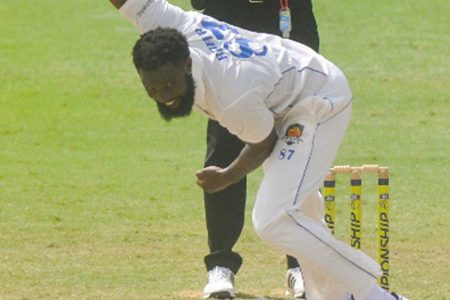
pixel 97 194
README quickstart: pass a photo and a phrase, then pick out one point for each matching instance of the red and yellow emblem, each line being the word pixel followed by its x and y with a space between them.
pixel 293 133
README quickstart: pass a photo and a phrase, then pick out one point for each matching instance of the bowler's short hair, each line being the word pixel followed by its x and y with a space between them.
pixel 158 47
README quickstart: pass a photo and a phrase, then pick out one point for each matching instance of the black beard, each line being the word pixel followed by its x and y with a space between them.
pixel 185 103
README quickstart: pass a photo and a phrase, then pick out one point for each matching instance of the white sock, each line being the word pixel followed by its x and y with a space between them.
pixel 378 293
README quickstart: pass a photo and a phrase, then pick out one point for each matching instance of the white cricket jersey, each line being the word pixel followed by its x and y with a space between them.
pixel 244 80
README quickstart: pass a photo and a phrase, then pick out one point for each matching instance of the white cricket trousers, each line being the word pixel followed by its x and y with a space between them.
pixel 288 212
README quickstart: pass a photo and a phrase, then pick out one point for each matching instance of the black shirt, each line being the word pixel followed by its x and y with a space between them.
pixel 264 17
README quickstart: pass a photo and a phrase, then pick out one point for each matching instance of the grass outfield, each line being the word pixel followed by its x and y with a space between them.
pixel 97 194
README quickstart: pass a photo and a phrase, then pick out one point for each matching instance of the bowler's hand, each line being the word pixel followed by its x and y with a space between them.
pixel 212 179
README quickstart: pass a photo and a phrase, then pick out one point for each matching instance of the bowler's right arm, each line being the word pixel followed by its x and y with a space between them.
pixel 147 15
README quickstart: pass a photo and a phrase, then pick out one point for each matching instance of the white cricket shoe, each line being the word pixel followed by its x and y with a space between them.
pixel 294 283
pixel 220 284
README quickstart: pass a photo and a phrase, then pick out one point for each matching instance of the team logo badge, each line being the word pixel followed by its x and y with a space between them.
pixel 294 134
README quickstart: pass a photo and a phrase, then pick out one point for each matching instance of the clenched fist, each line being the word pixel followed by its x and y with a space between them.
pixel 213 179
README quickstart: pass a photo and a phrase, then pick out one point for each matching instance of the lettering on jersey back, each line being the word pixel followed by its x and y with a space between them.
pixel 225 41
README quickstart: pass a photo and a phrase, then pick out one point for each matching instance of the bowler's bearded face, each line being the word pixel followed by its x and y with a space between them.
pixel 172 87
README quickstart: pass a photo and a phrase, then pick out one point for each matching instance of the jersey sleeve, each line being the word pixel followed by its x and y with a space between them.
pixel 150 14
pixel 249 119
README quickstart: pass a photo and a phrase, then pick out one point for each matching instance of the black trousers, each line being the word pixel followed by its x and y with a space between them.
pixel 225 210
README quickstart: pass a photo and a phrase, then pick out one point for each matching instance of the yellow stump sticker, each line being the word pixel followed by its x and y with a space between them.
pixel 355 210
pixel 329 195
pixel 383 226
